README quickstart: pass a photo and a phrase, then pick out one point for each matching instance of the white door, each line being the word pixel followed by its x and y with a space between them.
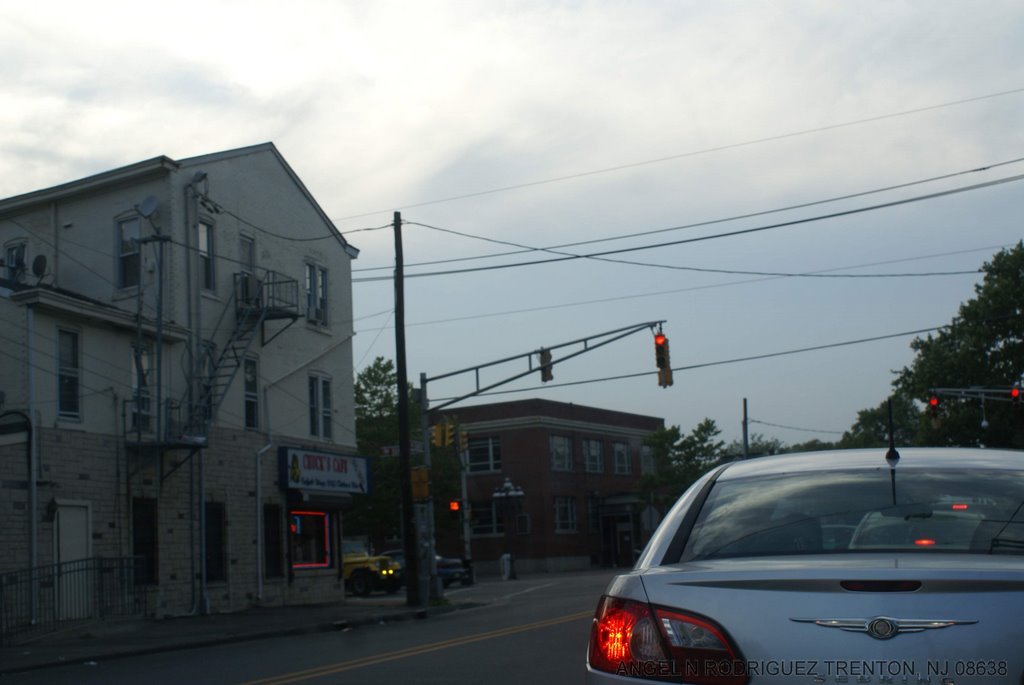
pixel 75 579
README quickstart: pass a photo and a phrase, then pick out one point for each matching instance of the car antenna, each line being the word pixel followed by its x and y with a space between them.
pixel 891 455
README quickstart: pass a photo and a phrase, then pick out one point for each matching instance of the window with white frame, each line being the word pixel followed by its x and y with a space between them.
pixel 316 294
pixel 484 454
pixel 646 460
pixel 129 255
pixel 14 260
pixel 68 375
pixel 247 264
pixel 561 453
pixel 623 464
pixel 207 257
pixel 141 409
pixel 485 519
pixel 320 407
pixel 251 388
pixel 565 514
pixel 593 456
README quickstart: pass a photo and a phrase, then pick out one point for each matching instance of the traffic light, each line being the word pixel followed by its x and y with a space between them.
pixel 933 406
pixel 454 509
pixel 420 478
pixel 449 434
pixel 437 435
pixel 1015 394
pixel 546 373
pixel 661 360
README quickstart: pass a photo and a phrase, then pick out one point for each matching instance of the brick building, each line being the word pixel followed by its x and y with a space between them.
pixel 177 335
pixel 579 469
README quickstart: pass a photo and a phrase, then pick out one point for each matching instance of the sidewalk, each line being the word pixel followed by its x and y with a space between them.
pixel 104 640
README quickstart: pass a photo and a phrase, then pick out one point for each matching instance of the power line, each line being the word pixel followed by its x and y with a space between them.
pixel 794 428
pixel 551 248
pixel 715 236
pixel 737 360
pixel 694 153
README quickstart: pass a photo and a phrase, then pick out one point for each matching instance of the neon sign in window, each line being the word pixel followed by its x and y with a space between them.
pixel 310 539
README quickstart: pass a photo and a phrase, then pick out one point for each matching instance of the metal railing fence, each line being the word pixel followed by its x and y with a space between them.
pixel 40 600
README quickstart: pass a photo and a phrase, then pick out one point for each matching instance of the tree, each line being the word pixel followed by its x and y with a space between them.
pixel 680 460
pixel 983 346
pixel 378 514
pixel 872 426
pixel 757 446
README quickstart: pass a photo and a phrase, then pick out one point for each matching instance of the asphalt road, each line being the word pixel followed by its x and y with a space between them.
pixel 533 630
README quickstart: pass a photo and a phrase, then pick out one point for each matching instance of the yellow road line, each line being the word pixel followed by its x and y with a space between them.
pixel 331 669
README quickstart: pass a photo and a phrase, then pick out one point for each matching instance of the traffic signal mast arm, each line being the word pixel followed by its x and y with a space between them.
pixel 1005 394
pixel 587 343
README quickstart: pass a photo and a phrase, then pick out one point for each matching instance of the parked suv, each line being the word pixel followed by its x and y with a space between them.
pixel 365 573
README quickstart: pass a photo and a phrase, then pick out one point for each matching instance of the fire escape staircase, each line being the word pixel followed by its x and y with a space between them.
pixel 254 302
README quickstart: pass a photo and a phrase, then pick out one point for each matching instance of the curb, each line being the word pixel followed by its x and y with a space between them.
pixel 340 625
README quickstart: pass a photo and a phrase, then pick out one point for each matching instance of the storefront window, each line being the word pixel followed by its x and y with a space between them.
pixel 310 539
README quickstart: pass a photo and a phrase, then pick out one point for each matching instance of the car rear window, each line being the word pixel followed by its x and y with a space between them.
pixel 949 510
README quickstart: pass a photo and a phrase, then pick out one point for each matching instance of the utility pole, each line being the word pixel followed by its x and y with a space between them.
pixel 746 438
pixel 413 596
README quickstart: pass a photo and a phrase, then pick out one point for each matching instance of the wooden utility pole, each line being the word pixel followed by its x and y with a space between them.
pixel 409 532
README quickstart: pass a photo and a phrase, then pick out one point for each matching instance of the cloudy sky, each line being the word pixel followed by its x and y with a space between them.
pixel 584 127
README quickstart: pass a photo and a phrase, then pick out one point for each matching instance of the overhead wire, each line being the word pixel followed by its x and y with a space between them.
pixel 749 215
pixel 717 236
pixel 694 153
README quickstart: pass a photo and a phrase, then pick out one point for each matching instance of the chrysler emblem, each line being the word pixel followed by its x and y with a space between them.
pixel 882 627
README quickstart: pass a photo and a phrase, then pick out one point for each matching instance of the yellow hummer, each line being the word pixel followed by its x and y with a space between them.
pixel 365 573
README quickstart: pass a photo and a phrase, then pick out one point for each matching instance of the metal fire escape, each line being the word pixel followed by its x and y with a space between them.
pixel 254 302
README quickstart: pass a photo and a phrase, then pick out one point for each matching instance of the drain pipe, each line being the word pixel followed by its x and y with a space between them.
pixel 259 513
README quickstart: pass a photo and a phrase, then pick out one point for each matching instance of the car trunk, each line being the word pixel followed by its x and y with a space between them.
pixel 755 601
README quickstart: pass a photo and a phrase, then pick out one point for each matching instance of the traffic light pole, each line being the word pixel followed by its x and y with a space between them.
pixel 429 583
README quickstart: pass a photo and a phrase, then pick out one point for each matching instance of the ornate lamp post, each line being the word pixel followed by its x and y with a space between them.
pixel 509 502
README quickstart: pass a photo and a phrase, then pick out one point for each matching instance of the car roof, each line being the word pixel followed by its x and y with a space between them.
pixel 874 458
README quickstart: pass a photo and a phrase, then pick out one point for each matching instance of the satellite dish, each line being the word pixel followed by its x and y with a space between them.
pixel 148 206
pixel 39 266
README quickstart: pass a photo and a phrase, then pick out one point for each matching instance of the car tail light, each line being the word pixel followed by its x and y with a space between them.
pixel 630 638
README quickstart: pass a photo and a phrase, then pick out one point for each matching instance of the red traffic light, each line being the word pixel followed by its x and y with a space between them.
pixel 933 401
pixel 454 505
pixel 1015 393
pixel 659 339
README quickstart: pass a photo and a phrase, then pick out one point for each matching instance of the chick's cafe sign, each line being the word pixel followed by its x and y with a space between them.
pixel 323 471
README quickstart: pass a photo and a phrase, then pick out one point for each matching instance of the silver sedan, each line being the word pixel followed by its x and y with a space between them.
pixel 828 567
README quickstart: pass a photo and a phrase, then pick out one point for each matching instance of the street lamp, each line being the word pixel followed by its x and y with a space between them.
pixel 508 499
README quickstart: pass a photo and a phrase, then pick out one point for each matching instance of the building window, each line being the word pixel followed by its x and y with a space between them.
pixel 565 514
pixel 144 541
pixel 129 260
pixel 141 408
pixel 646 460
pixel 485 519
pixel 320 407
pixel 594 513
pixel 484 454
pixel 68 373
pixel 251 387
pixel 216 549
pixel 310 539
pixel 561 453
pixel 272 551
pixel 204 243
pixel 623 464
pixel 14 260
pixel 593 456
pixel 316 294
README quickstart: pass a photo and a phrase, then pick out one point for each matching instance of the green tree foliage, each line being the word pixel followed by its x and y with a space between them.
pixel 758 445
pixel 983 346
pixel 872 426
pixel 376 395
pixel 680 459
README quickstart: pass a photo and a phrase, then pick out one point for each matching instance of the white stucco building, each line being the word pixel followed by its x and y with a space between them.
pixel 176 330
